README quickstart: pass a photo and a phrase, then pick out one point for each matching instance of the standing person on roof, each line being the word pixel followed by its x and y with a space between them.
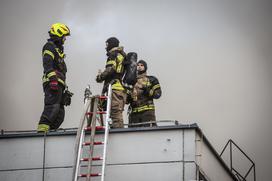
pixel 140 99
pixel 113 73
pixel 54 79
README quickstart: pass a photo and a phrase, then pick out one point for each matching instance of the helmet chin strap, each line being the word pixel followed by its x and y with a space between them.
pixel 57 40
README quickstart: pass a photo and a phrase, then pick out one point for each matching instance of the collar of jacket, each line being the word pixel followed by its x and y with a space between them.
pixel 55 44
pixel 141 75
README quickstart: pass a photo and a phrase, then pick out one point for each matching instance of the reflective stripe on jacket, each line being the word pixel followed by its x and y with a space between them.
pixel 114 69
pixel 53 63
pixel 143 108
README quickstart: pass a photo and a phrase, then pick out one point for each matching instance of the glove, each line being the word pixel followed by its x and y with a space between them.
pixel 67 95
pixel 146 88
pixel 99 78
pixel 53 85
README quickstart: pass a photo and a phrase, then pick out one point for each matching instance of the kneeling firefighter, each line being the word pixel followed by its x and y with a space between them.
pixel 55 95
pixel 140 99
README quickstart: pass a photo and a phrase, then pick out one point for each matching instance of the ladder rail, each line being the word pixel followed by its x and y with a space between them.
pixel 106 133
pixel 79 140
pixel 90 117
pixel 93 125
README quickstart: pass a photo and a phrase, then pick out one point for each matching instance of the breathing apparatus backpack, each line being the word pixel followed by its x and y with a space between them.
pixel 130 67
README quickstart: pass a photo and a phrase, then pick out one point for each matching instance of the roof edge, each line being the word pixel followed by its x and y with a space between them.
pixel 73 131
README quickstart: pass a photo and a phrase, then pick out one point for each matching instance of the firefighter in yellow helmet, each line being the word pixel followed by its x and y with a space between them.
pixel 113 73
pixel 54 75
pixel 140 99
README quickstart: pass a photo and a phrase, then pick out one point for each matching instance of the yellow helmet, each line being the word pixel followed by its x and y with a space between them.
pixel 60 30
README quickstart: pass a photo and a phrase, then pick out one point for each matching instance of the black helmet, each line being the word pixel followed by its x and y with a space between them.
pixel 111 43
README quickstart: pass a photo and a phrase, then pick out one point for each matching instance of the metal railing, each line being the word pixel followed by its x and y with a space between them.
pixel 239 176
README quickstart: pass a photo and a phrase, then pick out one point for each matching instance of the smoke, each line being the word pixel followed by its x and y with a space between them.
pixel 212 58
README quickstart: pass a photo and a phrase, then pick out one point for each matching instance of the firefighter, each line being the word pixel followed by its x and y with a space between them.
pixel 54 79
pixel 112 74
pixel 140 99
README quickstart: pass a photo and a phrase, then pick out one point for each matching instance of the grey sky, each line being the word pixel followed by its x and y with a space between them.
pixel 213 60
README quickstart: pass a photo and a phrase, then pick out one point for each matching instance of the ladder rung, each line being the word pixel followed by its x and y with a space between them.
pixel 98 143
pixel 94 159
pixel 103 97
pixel 97 128
pixel 98 112
pixel 90 175
pixel 95 143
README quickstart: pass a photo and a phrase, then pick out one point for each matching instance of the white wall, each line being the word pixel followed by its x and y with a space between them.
pixel 160 155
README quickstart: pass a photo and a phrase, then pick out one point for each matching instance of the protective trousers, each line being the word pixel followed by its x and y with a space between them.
pixel 53 113
pixel 142 117
pixel 117 107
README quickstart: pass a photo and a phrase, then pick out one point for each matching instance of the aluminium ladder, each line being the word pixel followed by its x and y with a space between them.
pixel 91 114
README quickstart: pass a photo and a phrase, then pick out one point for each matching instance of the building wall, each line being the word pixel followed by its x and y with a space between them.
pixel 208 162
pixel 134 155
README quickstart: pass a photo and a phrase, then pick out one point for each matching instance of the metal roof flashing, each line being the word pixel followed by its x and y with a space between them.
pixel 73 131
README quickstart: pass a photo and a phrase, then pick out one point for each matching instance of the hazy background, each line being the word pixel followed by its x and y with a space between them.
pixel 212 57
